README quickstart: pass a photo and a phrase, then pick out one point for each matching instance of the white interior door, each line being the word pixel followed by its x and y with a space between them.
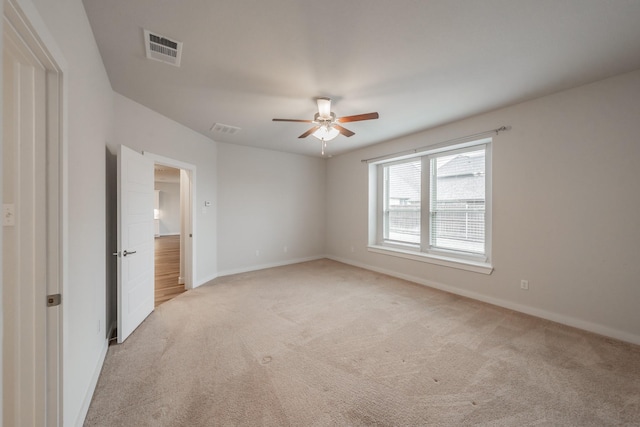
pixel 135 240
pixel 24 239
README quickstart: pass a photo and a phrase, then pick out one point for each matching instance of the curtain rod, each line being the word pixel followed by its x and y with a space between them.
pixel 435 146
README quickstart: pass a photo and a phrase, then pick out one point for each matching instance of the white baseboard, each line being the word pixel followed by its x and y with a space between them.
pixel 84 409
pixel 205 280
pixel 533 311
pixel 269 265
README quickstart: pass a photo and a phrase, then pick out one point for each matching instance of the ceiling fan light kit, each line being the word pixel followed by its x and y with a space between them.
pixel 326 133
pixel 326 124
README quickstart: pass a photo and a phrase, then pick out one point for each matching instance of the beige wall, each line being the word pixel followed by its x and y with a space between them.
pixel 169 207
pixel 565 208
pixel 261 200
pixel 268 200
pixel 143 129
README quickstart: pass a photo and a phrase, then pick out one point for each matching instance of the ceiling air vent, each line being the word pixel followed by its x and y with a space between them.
pixel 224 129
pixel 162 49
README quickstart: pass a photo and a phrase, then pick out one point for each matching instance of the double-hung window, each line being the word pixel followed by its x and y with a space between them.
pixel 435 206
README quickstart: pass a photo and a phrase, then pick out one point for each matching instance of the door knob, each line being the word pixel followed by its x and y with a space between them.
pixel 125 253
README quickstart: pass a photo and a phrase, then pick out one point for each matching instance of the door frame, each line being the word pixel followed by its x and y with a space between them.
pixel 25 20
pixel 190 249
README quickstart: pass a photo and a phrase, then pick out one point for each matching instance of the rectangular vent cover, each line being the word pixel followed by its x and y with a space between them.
pixel 224 129
pixel 162 49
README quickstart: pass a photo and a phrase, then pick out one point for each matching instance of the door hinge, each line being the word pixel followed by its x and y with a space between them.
pixel 53 300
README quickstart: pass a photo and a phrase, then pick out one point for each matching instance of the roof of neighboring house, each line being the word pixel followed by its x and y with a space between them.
pixel 462 164
pixel 404 181
pixel 464 187
pixel 461 178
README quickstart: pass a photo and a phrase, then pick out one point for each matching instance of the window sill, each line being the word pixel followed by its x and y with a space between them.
pixel 460 264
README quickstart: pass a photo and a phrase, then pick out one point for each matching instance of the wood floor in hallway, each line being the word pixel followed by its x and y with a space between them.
pixel 167 268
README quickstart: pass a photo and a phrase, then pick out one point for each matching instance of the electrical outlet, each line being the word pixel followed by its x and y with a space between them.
pixel 524 284
pixel 257 253
pixel 285 249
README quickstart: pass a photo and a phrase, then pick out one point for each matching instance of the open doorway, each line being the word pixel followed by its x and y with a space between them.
pixel 187 185
pixel 135 230
pixel 169 282
pixel 187 188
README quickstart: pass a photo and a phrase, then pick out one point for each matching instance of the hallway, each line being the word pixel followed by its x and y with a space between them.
pixel 167 268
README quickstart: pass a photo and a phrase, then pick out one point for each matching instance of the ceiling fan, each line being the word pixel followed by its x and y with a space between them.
pixel 326 124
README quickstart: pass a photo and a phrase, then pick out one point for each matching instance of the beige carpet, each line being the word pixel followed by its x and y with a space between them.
pixel 322 344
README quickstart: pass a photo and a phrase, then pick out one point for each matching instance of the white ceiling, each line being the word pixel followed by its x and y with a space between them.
pixel 419 63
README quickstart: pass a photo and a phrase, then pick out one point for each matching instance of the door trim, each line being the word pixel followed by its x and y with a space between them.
pixel 25 20
pixel 190 250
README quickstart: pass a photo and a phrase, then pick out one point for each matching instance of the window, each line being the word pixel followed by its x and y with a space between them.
pixel 457 201
pixel 436 205
pixel 402 202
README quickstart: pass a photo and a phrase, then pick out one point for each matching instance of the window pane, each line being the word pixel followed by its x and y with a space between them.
pixel 402 202
pixel 457 208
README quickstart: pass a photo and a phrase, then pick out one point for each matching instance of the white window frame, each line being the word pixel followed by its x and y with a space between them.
pixel 380 218
pixel 480 263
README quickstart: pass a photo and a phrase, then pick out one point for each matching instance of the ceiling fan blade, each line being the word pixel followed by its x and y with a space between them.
pixel 358 117
pixel 345 132
pixel 293 120
pixel 309 132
